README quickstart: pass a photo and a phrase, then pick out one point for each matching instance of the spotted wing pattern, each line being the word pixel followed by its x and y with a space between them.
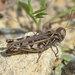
pixel 36 43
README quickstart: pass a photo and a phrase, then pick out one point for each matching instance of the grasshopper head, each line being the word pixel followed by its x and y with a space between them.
pixel 61 33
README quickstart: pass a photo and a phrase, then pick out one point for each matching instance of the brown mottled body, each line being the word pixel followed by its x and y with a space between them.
pixel 36 43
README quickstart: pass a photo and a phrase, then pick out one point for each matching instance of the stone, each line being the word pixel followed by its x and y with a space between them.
pixel 25 64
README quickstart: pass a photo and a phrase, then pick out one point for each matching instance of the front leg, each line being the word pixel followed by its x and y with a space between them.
pixel 39 55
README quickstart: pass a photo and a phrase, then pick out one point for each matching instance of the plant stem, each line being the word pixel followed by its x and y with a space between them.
pixel 35 21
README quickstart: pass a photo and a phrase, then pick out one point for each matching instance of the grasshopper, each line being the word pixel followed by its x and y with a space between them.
pixel 37 43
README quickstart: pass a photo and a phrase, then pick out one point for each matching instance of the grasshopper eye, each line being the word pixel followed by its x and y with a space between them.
pixel 62 32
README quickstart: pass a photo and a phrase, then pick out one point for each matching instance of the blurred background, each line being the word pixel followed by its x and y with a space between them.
pixel 15 22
